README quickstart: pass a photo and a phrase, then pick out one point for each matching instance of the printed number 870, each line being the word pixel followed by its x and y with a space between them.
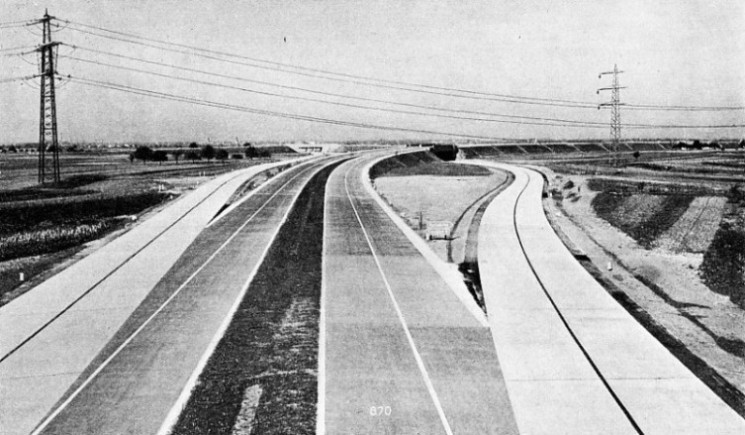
pixel 379 411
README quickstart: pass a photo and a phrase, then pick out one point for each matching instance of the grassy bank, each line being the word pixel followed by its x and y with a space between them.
pixel 723 266
pixel 643 217
pixel 33 232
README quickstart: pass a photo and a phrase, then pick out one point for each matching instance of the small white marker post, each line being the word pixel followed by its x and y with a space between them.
pixel 21 277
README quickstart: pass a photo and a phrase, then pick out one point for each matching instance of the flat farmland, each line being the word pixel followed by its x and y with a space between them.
pixel 44 227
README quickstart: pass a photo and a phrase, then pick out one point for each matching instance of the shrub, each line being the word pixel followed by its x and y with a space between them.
pixel 159 156
pixel 49 240
pixel 143 153
pixel 221 154
pixel 192 155
pixel 208 152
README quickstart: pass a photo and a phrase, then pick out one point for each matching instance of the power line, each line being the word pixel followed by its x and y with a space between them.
pixel 325 93
pixel 537 121
pixel 377 82
pixel 362 82
pixel 525 120
pixel 16 79
pixel 246 109
pixel 23 47
pixel 317 71
pixel 24 22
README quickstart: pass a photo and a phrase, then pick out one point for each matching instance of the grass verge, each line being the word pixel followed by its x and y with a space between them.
pixel 271 344
pixel 664 211
pixel 723 266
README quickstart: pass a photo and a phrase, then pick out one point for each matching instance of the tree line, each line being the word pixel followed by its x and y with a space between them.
pixel 195 152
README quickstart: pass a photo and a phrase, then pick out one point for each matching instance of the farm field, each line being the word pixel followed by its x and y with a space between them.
pixel 45 227
pixel 670 248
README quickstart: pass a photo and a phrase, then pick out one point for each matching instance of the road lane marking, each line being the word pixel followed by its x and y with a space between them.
pixel 113 271
pixel 173 415
pixel 250 194
pixel 417 357
pixel 121 347
pixel 321 401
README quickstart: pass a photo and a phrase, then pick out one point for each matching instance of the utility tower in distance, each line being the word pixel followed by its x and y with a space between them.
pixel 615 105
pixel 48 106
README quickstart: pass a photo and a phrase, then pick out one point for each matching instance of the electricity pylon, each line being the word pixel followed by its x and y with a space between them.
pixel 615 105
pixel 48 105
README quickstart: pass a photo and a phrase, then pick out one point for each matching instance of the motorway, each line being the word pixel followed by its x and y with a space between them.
pixel 53 332
pixel 143 369
pixel 573 359
pixel 399 352
pixel 400 349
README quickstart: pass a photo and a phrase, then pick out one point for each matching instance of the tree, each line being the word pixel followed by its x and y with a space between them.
pixel 208 152
pixel 143 153
pixel 193 145
pixel 250 151
pixel 221 155
pixel 637 154
pixel 177 153
pixel 192 155
pixel 159 156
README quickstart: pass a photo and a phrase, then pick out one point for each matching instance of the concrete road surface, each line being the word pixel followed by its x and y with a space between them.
pixel 399 351
pixel 41 351
pixel 132 383
pixel 574 360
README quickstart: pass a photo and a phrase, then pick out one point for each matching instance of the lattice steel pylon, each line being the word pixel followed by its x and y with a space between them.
pixel 615 105
pixel 48 105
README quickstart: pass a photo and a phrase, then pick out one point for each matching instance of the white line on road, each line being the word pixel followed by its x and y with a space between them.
pixel 129 339
pixel 321 404
pixel 173 415
pixel 417 357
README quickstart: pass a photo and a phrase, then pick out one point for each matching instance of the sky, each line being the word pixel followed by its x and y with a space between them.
pixel 689 53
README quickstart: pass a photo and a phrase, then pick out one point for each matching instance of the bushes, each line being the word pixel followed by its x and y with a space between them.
pixel 49 240
pixel 74 211
pixel 52 226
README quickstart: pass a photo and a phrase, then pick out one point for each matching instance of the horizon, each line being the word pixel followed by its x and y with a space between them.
pixel 672 54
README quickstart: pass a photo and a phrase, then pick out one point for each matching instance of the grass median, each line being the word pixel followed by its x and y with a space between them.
pixel 262 377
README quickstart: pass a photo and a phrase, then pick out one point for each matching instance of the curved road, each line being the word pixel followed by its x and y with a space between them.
pixel 574 360
pixel 400 353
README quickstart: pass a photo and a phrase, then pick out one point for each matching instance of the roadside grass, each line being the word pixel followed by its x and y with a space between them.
pixel 723 266
pixel 643 217
pixel 444 169
pixel 271 344
pixel 44 241
pixel 401 162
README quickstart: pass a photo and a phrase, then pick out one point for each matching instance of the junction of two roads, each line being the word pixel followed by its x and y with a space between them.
pixel 115 343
